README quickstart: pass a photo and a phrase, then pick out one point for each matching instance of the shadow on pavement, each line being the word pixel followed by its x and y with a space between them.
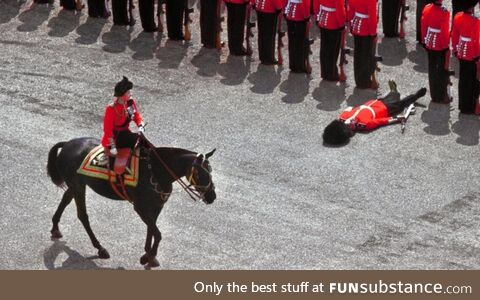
pixel 234 70
pixel 10 9
pixel 207 62
pixel 437 118
pixel 34 18
pixel 65 22
pixel 89 32
pixel 74 259
pixel 393 51
pixel 467 128
pixel 296 87
pixel 171 55
pixel 117 39
pixel 145 45
pixel 265 79
pixel 330 95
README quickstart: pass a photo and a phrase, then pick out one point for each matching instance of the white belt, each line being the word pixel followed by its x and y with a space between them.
pixel 329 9
pixel 362 16
pixel 434 30
pixel 465 39
pixel 349 120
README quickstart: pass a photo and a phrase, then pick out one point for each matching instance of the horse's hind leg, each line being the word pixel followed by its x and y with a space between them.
pixel 66 199
pixel 83 217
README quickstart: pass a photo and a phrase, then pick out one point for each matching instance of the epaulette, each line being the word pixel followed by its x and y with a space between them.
pixel 111 104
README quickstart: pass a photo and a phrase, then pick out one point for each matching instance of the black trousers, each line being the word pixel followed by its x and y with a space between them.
pixel 267 31
pixel 120 12
pixel 330 43
pixel 175 11
pixel 420 5
pixel 364 60
pixel 96 8
pixel 391 17
pixel 397 107
pixel 68 4
pixel 146 9
pixel 236 27
pixel 437 75
pixel 297 45
pixel 468 87
pixel 125 139
pixel 209 22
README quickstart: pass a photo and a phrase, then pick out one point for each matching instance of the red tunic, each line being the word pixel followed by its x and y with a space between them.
pixel 362 17
pixel 465 36
pixel 116 119
pixel 330 14
pixel 435 27
pixel 369 116
pixel 268 6
pixel 297 10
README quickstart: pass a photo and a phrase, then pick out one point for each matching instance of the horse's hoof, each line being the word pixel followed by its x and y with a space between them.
pixel 56 234
pixel 144 259
pixel 103 253
pixel 153 263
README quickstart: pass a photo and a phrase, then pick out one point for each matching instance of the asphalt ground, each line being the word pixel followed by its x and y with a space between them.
pixel 284 201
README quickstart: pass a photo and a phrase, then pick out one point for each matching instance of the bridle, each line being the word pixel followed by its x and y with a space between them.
pixel 199 190
pixel 192 189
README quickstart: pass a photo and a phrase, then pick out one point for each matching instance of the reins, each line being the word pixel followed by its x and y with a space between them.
pixel 191 192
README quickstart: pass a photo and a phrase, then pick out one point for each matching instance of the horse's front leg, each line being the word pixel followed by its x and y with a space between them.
pixel 148 248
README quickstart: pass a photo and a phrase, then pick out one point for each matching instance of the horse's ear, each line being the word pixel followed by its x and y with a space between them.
pixel 210 153
pixel 198 159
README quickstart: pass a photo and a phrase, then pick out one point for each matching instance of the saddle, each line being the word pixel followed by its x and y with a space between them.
pixel 96 164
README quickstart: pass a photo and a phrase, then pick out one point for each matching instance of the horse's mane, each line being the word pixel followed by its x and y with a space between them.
pixel 172 151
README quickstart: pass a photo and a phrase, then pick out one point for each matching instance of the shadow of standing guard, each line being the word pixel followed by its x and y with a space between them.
pixel 330 95
pixel 89 32
pixel 467 128
pixel 235 70
pixel 393 51
pixel 296 87
pixel 437 118
pixel 10 9
pixel 35 17
pixel 172 54
pixel 117 39
pixel 65 22
pixel 420 58
pixel 145 45
pixel 207 62
pixel 265 79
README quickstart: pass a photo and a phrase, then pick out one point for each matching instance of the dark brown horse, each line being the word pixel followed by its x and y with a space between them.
pixel 159 168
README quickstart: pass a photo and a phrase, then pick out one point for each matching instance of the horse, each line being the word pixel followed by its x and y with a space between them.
pixel 159 168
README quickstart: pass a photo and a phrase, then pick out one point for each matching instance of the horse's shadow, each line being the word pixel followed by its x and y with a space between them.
pixel 90 31
pixel 171 54
pixel 65 22
pixel 296 87
pixel 265 79
pixel 234 70
pixel 420 58
pixel 207 62
pixel 74 259
pixel 437 118
pixel 330 95
pixel 144 46
pixel 117 39
pixel 9 9
pixel 393 51
pixel 467 128
pixel 32 19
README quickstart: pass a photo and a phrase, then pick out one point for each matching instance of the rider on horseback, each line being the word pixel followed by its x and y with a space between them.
pixel 116 132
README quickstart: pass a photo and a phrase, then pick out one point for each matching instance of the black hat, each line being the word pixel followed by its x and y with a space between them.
pixel 122 87
pixel 337 133
pixel 466 4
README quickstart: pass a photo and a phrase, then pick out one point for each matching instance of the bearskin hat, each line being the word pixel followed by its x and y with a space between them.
pixel 337 133
pixel 122 87
pixel 467 4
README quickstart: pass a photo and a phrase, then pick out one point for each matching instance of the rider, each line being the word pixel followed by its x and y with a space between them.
pixel 116 132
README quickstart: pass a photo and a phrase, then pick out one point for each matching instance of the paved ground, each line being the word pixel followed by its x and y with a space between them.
pixel 385 201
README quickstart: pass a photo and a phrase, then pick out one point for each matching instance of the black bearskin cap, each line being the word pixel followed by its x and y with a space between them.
pixel 467 4
pixel 337 133
pixel 122 87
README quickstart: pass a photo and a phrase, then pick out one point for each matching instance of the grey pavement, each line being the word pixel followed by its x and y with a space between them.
pixel 285 201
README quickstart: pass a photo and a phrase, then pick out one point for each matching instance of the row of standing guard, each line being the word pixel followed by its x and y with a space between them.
pixel 334 18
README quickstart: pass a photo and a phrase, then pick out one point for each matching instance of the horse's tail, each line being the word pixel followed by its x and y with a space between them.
pixel 52 169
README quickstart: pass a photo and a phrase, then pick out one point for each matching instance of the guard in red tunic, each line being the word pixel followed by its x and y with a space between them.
pixel 466 47
pixel 420 6
pixel 369 116
pixel 118 115
pixel 267 16
pixel 362 18
pixel 236 21
pixel 435 30
pixel 297 14
pixel 331 19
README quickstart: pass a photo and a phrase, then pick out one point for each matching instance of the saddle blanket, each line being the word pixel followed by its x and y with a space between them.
pixel 96 162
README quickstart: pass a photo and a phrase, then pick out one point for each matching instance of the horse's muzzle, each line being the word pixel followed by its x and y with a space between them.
pixel 209 197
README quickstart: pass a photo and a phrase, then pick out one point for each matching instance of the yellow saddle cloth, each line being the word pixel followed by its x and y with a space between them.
pixel 95 165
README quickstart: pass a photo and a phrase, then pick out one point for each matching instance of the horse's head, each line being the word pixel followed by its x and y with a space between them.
pixel 200 177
